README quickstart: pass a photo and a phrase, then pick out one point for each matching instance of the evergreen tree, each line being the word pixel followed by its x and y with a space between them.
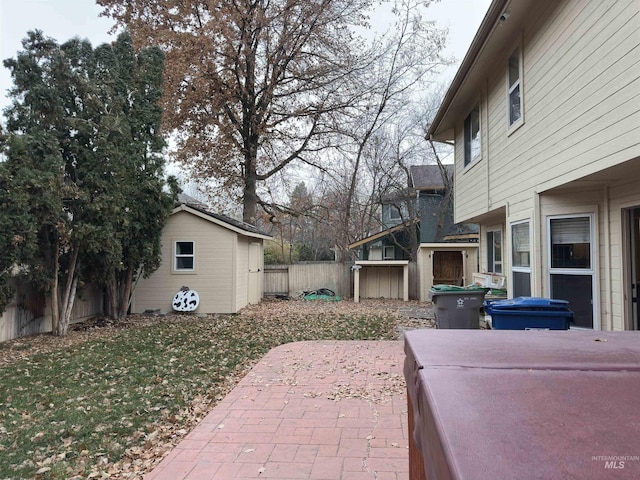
pixel 83 152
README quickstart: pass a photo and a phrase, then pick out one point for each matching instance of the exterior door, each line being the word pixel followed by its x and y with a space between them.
pixel 572 265
pixel 448 268
pixel 255 273
pixel 634 230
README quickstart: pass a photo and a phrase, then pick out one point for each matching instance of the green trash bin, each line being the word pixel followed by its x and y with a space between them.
pixel 457 307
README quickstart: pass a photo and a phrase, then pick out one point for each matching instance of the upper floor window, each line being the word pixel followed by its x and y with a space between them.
pixel 394 213
pixel 184 259
pixel 472 135
pixel 514 86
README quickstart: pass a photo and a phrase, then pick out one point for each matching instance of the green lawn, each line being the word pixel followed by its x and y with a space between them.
pixel 111 405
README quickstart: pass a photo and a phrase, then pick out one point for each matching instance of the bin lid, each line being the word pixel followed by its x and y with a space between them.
pixel 530 303
pixel 456 288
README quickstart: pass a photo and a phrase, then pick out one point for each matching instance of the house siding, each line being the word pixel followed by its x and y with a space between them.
pixel 606 203
pixel 622 194
pixel 580 106
pixel 242 273
pixel 214 275
pixel 577 150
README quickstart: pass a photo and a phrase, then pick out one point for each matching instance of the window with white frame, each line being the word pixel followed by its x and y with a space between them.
pixel 184 256
pixel 521 259
pixel 472 136
pixel 514 87
pixel 388 252
pixel 394 213
pixel 494 251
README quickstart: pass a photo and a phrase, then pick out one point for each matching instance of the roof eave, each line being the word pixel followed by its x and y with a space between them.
pixel 491 18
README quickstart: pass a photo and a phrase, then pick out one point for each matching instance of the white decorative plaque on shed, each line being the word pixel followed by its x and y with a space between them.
pixel 185 300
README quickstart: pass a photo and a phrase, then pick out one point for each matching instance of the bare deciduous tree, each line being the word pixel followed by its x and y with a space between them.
pixel 403 65
pixel 250 84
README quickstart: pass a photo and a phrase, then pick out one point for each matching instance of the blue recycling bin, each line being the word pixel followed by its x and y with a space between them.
pixel 523 313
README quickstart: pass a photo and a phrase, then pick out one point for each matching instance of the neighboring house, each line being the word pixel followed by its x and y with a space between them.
pixel 545 116
pixel 217 256
pixel 416 225
pixel 418 215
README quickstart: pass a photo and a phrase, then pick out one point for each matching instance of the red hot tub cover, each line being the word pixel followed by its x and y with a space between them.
pixel 525 404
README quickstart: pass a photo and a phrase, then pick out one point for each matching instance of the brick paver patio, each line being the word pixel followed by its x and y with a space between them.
pixel 308 410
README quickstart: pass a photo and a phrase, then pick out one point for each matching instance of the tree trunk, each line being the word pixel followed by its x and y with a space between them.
pixel 66 318
pixel 250 196
pixel 69 294
pixel 126 293
pixel 55 308
pixel 112 294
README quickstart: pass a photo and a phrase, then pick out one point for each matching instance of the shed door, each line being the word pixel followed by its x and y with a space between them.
pixel 255 273
pixel 448 268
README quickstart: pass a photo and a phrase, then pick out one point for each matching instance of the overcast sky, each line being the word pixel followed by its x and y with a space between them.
pixel 64 19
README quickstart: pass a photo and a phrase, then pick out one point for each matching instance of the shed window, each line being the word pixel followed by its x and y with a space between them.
pixel 472 136
pixel 389 252
pixel 184 256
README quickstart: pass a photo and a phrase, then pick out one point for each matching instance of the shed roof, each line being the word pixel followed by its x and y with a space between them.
pixel 383 233
pixel 428 177
pixel 191 205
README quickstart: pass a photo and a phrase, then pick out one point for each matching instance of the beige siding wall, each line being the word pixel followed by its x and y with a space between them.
pixel 623 194
pixel 242 273
pixel 607 203
pixel 214 276
pixel 472 192
pixel 576 151
pixel 494 221
pixel 583 201
pixel 581 94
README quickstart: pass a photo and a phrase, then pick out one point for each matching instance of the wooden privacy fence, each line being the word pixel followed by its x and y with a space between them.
pixel 290 279
pixel 30 311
